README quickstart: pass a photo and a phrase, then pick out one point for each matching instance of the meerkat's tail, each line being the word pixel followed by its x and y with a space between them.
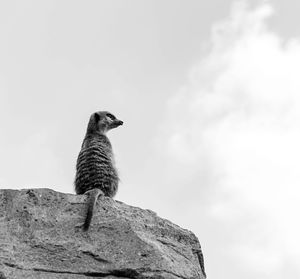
pixel 92 199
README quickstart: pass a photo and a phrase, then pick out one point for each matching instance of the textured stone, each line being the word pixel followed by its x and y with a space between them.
pixel 39 239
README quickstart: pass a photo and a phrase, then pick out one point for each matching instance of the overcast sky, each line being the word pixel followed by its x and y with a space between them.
pixel 209 92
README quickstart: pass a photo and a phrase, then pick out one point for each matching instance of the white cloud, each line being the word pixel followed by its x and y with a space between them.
pixel 239 120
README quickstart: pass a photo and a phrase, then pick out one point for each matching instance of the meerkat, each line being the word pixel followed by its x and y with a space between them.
pixel 96 173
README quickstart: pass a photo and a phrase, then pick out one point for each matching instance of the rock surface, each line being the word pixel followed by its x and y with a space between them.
pixel 39 239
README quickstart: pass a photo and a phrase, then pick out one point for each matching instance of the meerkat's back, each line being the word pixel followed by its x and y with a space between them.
pixel 96 173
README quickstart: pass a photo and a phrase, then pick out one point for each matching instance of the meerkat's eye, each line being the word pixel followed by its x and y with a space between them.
pixel 112 117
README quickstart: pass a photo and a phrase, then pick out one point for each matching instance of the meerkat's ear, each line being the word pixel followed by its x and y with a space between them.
pixel 97 117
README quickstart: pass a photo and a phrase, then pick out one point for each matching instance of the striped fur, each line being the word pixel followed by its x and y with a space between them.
pixel 95 167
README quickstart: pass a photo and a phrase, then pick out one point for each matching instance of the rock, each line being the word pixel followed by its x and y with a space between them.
pixel 39 239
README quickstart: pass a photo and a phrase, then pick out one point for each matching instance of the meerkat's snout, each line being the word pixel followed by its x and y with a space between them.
pixel 117 123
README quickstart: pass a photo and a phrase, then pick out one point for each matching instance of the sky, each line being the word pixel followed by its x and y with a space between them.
pixel 210 98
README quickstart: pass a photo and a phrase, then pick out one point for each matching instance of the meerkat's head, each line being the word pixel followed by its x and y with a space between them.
pixel 102 121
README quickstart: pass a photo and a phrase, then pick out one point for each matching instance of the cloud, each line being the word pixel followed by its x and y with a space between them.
pixel 238 121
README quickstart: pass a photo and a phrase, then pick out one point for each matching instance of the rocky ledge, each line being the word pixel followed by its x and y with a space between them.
pixel 39 239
